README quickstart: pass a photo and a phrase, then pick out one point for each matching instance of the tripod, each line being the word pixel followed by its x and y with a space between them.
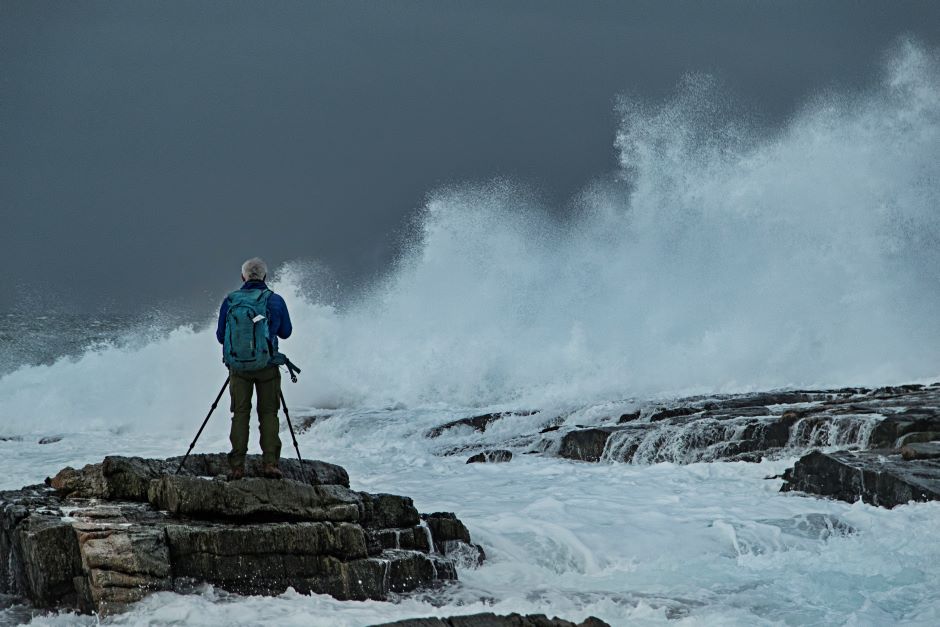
pixel 204 422
pixel 293 370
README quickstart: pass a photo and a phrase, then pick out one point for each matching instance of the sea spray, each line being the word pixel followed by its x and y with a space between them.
pixel 724 259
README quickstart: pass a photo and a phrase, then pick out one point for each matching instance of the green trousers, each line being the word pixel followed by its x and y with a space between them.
pixel 241 384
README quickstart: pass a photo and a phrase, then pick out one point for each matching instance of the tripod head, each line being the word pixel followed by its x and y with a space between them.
pixel 280 359
pixel 292 369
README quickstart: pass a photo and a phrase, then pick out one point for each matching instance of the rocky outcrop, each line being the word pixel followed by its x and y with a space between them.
pixel 477 423
pixel 586 445
pixel 98 538
pixel 920 450
pixel 491 457
pixel 878 477
pixel 744 427
pixel 254 499
pixel 128 478
pixel 492 620
pixel 451 538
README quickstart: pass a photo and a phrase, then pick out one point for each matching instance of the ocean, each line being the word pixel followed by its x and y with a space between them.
pixel 723 258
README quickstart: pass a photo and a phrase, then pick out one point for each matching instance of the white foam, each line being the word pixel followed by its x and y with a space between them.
pixel 705 543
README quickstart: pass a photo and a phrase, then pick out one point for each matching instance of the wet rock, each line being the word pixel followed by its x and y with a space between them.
pixel 682 439
pixel 45 550
pixel 896 390
pixel 672 412
pixel 852 408
pixel 408 570
pixel 752 427
pixel 630 417
pixel 446 527
pixel 416 538
pixel 492 620
pixel 918 436
pixel 317 557
pixel 50 439
pixel 921 450
pixel 128 478
pixel 739 412
pixel 314 472
pixel 492 457
pixel 887 433
pixel 99 538
pixel 85 483
pixel 304 423
pixel 586 445
pixel 450 537
pixel 254 499
pixel 122 562
pixel 762 399
pixel 477 423
pixel 877 477
pixel 390 511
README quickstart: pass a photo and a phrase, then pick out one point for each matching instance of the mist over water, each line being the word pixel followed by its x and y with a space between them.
pixel 724 257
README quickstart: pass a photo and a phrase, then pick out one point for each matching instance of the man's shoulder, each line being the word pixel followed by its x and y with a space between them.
pixel 276 299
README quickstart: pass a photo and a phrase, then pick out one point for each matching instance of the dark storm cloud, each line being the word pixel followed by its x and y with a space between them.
pixel 148 147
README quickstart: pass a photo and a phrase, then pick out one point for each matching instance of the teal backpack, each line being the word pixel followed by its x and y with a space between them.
pixel 246 345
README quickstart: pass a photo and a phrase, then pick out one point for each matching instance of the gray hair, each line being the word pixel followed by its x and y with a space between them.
pixel 254 269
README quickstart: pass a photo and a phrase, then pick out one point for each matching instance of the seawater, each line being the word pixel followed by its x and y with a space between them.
pixel 721 257
pixel 704 543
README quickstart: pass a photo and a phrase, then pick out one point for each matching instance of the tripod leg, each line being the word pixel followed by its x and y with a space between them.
pixel 293 437
pixel 204 422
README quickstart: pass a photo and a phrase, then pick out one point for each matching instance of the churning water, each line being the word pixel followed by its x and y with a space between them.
pixel 723 258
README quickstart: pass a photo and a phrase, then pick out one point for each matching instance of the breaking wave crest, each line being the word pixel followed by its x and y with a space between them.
pixel 722 258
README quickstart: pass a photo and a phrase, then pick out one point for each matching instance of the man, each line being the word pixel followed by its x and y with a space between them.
pixel 239 327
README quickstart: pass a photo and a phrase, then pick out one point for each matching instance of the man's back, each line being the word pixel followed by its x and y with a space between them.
pixel 279 323
pixel 252 368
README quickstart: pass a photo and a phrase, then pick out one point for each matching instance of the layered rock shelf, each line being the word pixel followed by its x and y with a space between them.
pixel 745 427
pixel 752 427
pixel 878 445
pixel 106 535
pixel 878 477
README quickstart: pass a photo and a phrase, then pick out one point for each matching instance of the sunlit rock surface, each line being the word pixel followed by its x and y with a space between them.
pixel 98 538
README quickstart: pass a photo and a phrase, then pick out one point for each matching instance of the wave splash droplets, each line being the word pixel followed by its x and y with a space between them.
pixel 725 259
pixel 729 260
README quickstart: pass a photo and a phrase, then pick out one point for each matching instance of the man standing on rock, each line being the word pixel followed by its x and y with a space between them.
pixel 251 320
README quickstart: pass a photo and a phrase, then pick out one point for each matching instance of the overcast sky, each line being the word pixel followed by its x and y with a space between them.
pixel 149 147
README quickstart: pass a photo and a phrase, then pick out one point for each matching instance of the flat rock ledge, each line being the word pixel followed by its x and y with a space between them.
pixel 106 535
pixel 493 620
pixel 735 428
pixel 878 477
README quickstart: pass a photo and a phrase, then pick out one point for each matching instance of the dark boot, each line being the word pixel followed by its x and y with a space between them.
pixel 271 471
pixel 236 473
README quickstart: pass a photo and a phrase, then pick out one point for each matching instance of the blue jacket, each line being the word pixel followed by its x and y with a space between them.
pixel 279 325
